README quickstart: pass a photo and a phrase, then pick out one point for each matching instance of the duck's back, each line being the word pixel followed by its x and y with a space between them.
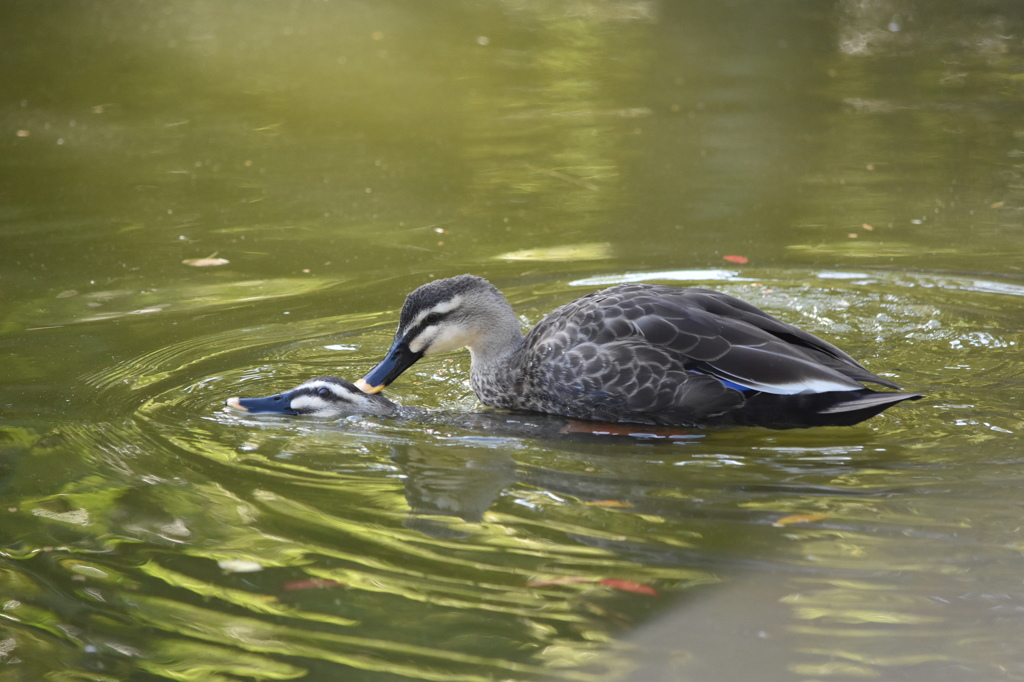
pixel 664 355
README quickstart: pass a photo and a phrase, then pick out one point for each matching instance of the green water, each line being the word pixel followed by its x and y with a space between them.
pixel 865 158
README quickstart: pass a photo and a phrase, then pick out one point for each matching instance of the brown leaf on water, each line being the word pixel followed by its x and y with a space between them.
pixel 208 262
pixel 798 518
pixel 739 260
pixel 613 583
pixel 615 504
pixel 628 586
pixel 564 580
pixel 867 227
pixel 998 204
pixel 311 584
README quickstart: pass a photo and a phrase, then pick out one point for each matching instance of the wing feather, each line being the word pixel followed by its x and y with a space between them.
pixel 661 353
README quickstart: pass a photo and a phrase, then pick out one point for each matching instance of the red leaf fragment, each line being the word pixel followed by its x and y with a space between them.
pixel 628 586
pixel 613 583
pixel 739 260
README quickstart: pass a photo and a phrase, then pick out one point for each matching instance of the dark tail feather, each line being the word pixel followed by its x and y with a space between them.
pixel 875 401
pixel 835 408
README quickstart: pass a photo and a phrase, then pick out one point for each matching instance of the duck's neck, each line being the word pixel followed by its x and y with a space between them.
pixel 497 340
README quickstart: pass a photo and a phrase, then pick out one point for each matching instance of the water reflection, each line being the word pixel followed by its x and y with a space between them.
pixel 239 543
pixel 549 135
pixel 594 494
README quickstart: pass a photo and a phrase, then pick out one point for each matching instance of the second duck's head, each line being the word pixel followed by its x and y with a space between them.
pixel 442 316
pixel 319 397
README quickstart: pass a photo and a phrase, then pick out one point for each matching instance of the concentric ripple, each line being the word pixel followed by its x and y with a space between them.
pixel 437 545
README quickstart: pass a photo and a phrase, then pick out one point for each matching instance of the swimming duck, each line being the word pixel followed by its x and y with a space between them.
pixel 639 353
pixel 319 397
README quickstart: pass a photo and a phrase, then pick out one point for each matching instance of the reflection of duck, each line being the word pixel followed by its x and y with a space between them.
pixel 319 397
pixel 637 353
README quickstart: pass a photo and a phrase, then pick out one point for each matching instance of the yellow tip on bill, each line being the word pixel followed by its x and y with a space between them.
pixel 367 388
pixel 234 402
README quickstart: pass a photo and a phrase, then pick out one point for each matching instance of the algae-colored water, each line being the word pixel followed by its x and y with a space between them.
pixel 859 162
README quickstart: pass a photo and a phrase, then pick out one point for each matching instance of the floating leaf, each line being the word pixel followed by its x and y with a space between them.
pixel 867 227
pixel 613 583
pixel 615 504
pixel 628 586
pixel 798 518
pixel 311 583
pixel 739 260
pixel 208 262
pixel 239 566
pixel 565 580
pixel 569 252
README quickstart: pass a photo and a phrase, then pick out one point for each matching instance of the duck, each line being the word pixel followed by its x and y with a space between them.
pixel 325 397
pixel 637 353
pixel 329 397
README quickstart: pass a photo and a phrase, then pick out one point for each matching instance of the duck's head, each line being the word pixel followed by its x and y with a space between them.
pixel 319 397
pixel 442 316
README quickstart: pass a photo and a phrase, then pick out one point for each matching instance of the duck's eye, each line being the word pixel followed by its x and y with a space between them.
pixel 323 392
pixel 432 318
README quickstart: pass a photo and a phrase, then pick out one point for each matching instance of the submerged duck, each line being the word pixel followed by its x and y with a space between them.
pixel 319 397
pixel 638 353
pixel 330 397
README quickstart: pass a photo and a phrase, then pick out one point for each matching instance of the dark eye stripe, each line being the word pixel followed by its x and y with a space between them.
pixel 429 320
pixel 327 394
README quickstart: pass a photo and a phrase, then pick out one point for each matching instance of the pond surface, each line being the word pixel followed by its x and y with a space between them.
pixel 860 163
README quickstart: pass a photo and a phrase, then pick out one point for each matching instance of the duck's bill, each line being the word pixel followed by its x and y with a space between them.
pixel 277 404
pixel 398 359
pixel 367 388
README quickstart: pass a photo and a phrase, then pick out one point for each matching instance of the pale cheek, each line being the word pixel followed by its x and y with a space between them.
pixel 449 339
pixel 305 402
pixel 327 408
pixel 424 340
